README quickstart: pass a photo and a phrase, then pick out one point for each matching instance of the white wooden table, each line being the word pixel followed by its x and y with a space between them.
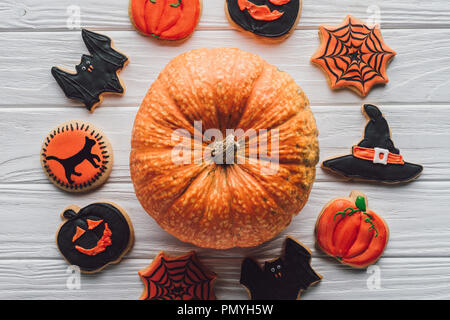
pixel 34 37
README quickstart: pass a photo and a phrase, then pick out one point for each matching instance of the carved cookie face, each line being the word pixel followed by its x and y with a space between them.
pixel 94 236
pixel 269 18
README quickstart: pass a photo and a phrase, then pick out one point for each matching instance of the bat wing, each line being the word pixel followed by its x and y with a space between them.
pixel 252 277
pixel 100 47
pixel 73 89
pixel 298 261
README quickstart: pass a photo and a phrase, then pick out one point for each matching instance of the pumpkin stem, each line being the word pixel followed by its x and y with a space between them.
pixel 69 214
pixel 224 152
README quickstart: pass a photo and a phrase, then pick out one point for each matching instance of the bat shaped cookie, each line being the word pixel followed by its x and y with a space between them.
pixel 283 278
pixel 96 74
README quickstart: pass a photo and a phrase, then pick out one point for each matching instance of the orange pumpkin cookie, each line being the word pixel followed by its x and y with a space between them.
pixel 179 278
pixel 272 149
pixel 347 230
pixel 76 156
pixel 353 55
pixel 165 19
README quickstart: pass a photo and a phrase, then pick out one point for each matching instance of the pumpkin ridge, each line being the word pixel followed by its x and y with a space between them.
pixel 255 83
pixel 272 196
pixel 192 180
pixel 250 179
pixel 275 98
pixel 344 256
pixel 194 92
pixel 230 206
pixel 167 27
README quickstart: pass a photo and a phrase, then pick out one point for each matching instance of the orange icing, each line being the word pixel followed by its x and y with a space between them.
pixel 166 19
pixel 93 224
pixel 349 238
pixel 78 234
pixel 260 12
pixel 66 144
pixel 102 244
pixel 279 2
pixel 368 154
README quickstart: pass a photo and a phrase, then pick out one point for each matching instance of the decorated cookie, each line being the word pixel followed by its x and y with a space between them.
pixel 347 230
pixel 375 158
pixel 94 236
pixel 282 278
pixel 97 73
pixel 353 55
pixel 267 18
pixel 180 278
pixel 165 19
pixel 76 156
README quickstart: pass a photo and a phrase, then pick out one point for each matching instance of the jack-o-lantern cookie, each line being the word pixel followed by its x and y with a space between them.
pixel 76 156
pixel 347 230
pixel 96 74
pixel 165 19
pixel 353 55
pixel 267 18
pixel 94 236
pixel 178 278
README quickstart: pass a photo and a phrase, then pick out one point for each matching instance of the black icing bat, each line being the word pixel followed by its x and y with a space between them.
pixel 96 73
pixel 283 278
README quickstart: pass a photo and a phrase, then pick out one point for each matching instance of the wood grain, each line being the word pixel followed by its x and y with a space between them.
pixel 418 74
pixel 39 279
pixel 52 15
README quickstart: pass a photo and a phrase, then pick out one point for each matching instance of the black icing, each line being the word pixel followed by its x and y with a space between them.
pixel 275 28
pixel 96 74
pixel 376 135
pixel 281 279
pixel 120 238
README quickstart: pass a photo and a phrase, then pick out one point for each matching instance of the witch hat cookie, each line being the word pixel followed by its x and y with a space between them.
pixel 375 158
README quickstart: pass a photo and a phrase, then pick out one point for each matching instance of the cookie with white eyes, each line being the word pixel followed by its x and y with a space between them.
pixel 96 74
pixel 283 278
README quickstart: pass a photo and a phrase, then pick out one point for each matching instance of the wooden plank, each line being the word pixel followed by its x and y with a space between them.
pixel 53 15
pixel 406 278
pixel 414 213
pixel 418 74
pixel 340 127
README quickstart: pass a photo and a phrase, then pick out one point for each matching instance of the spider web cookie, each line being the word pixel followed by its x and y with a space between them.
pixel 353 55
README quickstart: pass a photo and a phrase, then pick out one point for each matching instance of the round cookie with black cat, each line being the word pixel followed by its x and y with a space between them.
pixel 95 236
pixel 267 18
pixel 77 156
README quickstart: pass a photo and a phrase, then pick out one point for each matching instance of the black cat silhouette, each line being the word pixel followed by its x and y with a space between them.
pixel 70 163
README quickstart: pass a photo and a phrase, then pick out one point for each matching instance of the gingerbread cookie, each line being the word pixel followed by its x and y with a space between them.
pixel 347 230
pixel 97 73
pixel 268 18
pixel 375 158
pixel 76 156
pixel 180 278
pixel 95 236
pixel 353 55
pixel 283 278
pixel 165 19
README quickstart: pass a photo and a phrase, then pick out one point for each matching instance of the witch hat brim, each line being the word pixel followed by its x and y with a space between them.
pixel 359 169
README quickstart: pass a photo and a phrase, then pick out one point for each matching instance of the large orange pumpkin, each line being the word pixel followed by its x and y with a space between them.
pixel 347 230
pixel 165 19
pixel 209 203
